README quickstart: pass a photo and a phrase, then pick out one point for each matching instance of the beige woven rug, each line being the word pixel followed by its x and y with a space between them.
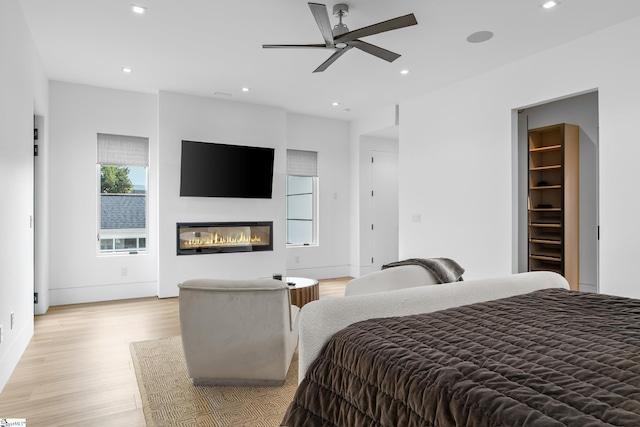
pixel 170 399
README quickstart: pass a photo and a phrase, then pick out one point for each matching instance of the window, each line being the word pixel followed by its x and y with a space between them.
pixel 122 190
pixel 302 183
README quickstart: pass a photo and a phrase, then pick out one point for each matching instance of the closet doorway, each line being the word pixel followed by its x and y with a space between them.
pixel 580 110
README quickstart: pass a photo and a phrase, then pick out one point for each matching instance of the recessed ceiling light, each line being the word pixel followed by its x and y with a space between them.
pixel 245 89
pixel 335 104
pixel 138 9
pixel 550 4
pixel 126 70
pixel 480 36
pixel 404 72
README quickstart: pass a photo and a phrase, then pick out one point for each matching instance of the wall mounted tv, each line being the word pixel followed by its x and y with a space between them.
pixel 222 170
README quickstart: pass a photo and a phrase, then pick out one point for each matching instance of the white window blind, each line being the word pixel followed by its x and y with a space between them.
pixel 122 150
pixel 302 163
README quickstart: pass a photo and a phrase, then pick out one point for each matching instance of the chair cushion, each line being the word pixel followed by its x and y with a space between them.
pixel 235 285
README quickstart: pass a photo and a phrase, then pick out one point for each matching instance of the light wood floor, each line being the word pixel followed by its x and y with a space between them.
pixel 77 369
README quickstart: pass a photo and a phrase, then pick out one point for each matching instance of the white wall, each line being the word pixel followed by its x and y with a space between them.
pixel 456 156
pixel 330 138
pixel 23 89
pixel 455 180
pixel 77 272
pixel 212 120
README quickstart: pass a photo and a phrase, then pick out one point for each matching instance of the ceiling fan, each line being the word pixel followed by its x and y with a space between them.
pixel 340 39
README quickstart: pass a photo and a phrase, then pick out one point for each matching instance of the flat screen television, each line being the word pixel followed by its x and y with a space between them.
pixel 222 170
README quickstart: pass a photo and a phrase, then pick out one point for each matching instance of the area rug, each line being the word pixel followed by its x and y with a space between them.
pixel 170 399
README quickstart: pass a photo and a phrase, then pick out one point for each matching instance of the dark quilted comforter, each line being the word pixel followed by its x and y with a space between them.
pixel 548 358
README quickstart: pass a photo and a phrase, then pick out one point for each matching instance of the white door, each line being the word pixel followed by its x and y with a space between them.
pixel 384 208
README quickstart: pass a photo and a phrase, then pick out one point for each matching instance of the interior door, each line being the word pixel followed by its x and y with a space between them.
pixel 384 208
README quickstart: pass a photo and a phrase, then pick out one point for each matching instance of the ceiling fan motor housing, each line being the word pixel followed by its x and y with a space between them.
pixel 340 9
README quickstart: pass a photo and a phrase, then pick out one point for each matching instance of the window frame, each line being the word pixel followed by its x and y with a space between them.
pixel 121 148
pixel 100 236
pixel 314 212
pixel 115 251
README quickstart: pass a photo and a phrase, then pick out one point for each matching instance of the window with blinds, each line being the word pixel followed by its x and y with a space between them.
pixel 301 194
pixel 122 166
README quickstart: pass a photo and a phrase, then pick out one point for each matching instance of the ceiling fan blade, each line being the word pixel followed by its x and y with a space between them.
pixel 331 59
pixel 381 53
pixel 380 27
pixel 301 46
pixel 321 15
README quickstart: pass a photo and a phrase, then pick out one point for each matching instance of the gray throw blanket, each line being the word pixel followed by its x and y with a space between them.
pixel 444 269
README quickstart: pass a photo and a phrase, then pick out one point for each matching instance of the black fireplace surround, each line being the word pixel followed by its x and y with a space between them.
pixel 195 238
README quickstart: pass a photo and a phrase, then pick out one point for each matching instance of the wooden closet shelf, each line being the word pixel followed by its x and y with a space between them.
pixel 547 187
pixel 546 258
pixel 545 148
pixel 545 210
pixel 545 241
pixel 545 168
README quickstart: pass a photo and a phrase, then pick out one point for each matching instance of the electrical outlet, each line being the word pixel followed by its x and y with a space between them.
pixel 13 317
pixel 124 271
pixel 1 335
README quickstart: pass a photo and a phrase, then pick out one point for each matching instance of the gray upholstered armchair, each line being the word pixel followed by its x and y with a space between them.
pixel 237 332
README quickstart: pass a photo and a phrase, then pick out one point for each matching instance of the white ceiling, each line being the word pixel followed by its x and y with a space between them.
pixel 202 47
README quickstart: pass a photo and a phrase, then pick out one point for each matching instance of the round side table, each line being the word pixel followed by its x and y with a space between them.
pixel 305 290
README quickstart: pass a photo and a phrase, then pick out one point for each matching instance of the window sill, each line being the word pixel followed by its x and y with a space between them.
pixel 123 253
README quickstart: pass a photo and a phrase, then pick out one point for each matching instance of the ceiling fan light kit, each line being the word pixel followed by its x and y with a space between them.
pixel 340 39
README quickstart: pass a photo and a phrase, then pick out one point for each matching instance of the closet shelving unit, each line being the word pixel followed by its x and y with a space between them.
pixel 554 199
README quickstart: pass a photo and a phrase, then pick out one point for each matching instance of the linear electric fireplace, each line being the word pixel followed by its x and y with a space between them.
pixel 223 237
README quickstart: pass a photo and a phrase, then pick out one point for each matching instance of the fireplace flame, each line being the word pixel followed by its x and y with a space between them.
pixel 203 238
pixel 217 239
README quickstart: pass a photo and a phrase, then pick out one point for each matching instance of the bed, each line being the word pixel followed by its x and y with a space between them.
pixel 551 357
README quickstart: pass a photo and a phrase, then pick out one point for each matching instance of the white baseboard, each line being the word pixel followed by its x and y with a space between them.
pixel 102 293
pixel 43 303
pixel 9 359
